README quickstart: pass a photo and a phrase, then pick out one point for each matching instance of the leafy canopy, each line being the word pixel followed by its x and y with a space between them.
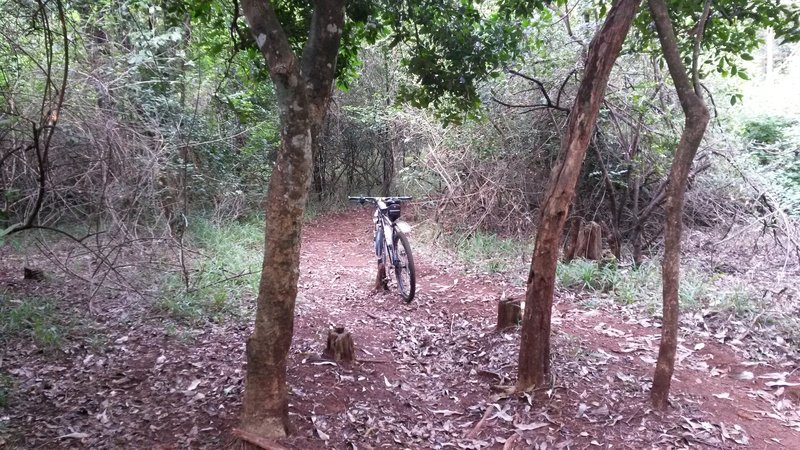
pixel 448 47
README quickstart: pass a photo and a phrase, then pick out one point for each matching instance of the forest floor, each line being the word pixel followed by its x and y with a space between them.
pixel 429 373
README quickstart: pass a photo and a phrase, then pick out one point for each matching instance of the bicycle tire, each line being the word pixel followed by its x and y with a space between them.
pixel 404 274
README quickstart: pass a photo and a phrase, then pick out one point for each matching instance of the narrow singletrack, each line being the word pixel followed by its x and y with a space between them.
pixel 428 373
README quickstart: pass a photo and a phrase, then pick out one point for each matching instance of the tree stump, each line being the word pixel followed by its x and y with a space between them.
pixel 594 242
pixel 572 238
pixel 585 240
pixel 381 281
pixel 509 313
pixel 339 346
pixel 32 274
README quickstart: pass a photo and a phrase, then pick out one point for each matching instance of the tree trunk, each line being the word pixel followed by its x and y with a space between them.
pixel 302 96
pixel 769 43
pixel 696 119
pixel 638 256
pixel 318 158
pixel 534 354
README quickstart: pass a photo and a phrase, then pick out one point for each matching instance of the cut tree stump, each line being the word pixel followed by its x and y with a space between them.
pixel 509 313
pixel 594 242
pixel 340 346
pixel 381 281
pixel 32 274
pixel 584 240
pixel 572 238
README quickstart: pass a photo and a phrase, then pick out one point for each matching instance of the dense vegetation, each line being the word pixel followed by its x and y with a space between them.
pixel 142 137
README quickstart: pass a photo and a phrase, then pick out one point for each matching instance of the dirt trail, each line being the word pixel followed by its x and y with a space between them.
pixel 427 378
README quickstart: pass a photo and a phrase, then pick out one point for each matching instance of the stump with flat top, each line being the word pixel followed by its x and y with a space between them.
pixel 571 245
pixel 381 281
pixel 594 242
pixel 32 274
pixel 509 313
pixel 339 346
pixel 584 240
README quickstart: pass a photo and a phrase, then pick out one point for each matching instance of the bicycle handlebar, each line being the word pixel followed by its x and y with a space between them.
pixel 363 199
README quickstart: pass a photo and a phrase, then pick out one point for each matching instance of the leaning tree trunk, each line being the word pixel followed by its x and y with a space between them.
pixel 696 119
pixel 534 352
pixel 302 97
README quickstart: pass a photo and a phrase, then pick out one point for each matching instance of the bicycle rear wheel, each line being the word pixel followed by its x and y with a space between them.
pixel 404 273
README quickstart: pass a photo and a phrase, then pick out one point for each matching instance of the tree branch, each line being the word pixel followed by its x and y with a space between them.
pixel 548 101
pixel 271 40
pixel 321 50
pixel 698 39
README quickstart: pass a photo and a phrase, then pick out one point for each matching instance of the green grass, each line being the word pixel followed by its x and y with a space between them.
pixel 626 285
pixel 6 383
pixel 223 277
pixel 488 252
pixel 737 298
pixel 642 286
pixel 582 274
pixel 32 318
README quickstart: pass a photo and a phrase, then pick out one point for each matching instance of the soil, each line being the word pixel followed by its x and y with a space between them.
pixel 430 374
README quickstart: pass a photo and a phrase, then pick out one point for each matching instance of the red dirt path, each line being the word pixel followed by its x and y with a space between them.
pixel 427 378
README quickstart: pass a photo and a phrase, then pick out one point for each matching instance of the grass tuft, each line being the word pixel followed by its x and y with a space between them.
pixel 488 252
pixel 223 275
pixel 32 318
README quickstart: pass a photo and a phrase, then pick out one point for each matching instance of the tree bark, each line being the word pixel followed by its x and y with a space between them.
pixel 534 354
pixel 696 118
pixel 303 90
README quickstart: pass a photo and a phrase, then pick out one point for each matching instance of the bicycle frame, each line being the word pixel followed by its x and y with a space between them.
pixel 391 244
pixel 384 234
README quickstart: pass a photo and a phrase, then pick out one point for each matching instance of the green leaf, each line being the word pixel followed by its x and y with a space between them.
pixel 747 57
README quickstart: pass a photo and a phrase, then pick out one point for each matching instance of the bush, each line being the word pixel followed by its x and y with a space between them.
pixel 765 130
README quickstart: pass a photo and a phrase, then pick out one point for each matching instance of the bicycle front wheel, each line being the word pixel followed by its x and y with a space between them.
pixel 404 269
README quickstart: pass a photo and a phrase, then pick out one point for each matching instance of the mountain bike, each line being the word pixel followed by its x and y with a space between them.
pixel 391 244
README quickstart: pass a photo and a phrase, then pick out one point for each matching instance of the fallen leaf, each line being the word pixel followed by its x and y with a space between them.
pixel 389 384
pixel 746 375
pixel 781 383
pixel 774 376
pixel 193 385
pixel 745 415
pixel 446 412
pixel 725 395
pixel 501 413
pixel 74 436
pixel 530 426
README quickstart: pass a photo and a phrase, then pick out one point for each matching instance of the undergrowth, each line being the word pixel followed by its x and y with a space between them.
pixel 627 285
pixel 488 252
pixel 6 383
pixel 223 269
pixel 32 318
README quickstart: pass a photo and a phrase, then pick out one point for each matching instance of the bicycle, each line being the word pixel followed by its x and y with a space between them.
pixel 391 244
